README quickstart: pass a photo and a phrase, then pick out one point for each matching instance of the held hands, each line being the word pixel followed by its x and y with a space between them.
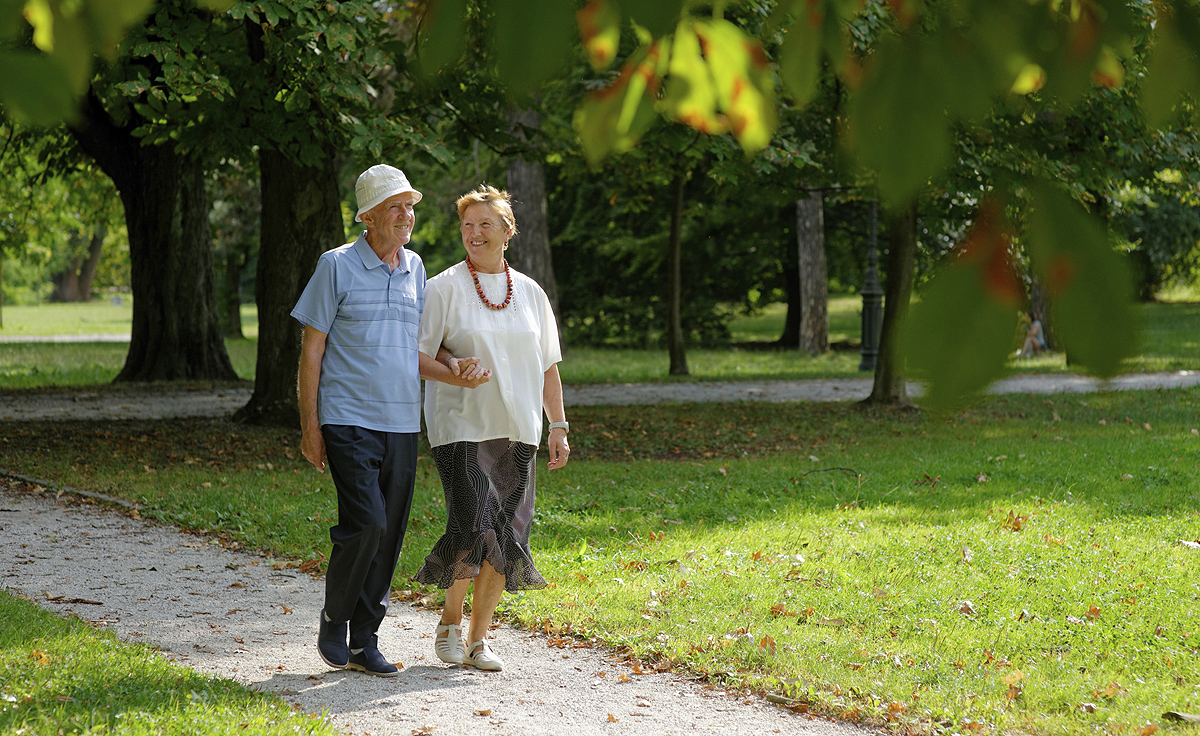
pixel 469 370
pixel 560 451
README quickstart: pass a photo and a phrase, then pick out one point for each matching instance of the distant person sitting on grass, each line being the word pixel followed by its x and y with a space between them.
pixel 360 406
pixel 1035 338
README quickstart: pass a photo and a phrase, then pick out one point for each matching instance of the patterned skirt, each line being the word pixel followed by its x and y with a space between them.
pixel 489 489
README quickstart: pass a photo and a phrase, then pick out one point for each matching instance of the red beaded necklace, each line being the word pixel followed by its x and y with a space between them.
pixel 479 289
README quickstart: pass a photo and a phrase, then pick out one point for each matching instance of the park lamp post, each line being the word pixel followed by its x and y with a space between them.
pixel 872 299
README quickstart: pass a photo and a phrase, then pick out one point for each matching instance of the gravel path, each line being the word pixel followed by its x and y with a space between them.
pixel 92 405
pixel 252 619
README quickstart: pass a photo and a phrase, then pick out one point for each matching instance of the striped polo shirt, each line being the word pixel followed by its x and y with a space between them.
pixel 369 375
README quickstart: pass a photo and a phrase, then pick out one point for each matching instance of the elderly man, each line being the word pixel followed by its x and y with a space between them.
pixel 360 408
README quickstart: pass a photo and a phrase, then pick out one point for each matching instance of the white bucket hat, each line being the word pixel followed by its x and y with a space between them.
pixel 377 184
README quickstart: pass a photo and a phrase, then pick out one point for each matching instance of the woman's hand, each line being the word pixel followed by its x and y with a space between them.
pixel 560 451
pixel 469 370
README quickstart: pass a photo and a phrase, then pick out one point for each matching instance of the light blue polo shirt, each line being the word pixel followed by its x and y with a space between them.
pixel 370 375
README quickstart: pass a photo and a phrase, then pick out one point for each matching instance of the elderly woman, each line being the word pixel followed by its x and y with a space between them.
pixel 484 439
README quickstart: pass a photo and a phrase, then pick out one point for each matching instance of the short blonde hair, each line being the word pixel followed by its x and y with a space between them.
pixel 498 199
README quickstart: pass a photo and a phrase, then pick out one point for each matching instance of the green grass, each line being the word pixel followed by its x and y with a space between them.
pixel 818 551
pixel 97 317
pixel 61 676
pixel 42 365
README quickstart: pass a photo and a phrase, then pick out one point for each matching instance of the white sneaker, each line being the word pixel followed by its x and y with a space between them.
pixel 449 648
pixel 479 654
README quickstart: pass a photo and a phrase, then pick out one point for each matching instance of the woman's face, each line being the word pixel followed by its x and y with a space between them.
pixel 483 234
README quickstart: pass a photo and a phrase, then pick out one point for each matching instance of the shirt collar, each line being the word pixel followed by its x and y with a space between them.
pixel 370 260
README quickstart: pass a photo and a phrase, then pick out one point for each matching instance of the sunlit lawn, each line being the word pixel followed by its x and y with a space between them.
pixel 61 676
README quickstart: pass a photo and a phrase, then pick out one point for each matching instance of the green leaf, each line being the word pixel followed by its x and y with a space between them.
pixel 1089 285
pixel 898 124
pixel 656 16
pixel 532 39
pixel 441 35
pixel 960 333
pixel 691 96
pixel 11 17
pixel 73 51
pixel 612 120
pixel 216 6
pixel 745 85
pixel 111 18
pixel 1174 66
pixel 600 31
pixel 800 58
pixel 34 88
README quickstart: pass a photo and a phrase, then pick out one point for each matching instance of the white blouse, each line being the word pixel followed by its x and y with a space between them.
pixel 518 344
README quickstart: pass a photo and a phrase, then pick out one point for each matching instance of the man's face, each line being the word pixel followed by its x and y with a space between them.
pixel 394 217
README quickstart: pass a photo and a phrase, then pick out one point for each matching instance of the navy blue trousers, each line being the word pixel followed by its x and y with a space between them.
pixel 374 473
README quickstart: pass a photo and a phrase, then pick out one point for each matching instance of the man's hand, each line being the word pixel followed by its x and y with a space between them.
pixel 560 451
pixel 469 370
pixel 312 445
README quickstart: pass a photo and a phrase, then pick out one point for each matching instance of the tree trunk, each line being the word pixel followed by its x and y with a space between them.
pixel 176 333
pixel 1039 309
pixel 814 283
pixel 74 283
pixel 889 385
pixel 301 219
pixel 530 251
pixel 791 286
pixel 675 346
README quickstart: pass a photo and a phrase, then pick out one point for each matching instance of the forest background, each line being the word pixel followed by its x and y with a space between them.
pixel 213 120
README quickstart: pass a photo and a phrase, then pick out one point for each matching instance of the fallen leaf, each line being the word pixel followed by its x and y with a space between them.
pixel 486 712
pixel 1087 707
pixel 967 608
pixel 1093 612
pixel 982 478
pixel 612 718
pixel 766 646
pixel 1146 426
pixel 622 677
pixel 1190 544
pixel 1149 729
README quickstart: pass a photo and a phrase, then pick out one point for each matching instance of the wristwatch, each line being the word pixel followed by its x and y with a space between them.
pixel 565 426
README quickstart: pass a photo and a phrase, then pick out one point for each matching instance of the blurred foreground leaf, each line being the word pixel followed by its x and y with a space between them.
pixel 1090 285
pixel 959 335
pixel 532 38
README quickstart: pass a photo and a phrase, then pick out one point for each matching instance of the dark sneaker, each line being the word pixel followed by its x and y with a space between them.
pixel 372 662
pixel 331 642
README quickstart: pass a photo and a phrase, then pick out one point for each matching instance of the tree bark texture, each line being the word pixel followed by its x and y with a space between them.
pixel 74 283
pixel 675 345
pixel 529 251
pixel 791 287
pixel 301 219
pixel 231 306
pixel 889 385
pixel 176 332
pixel 814 281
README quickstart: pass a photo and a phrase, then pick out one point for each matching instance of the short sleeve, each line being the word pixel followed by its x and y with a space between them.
pixel 551 350
pixel 318 303
pixel 432 333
